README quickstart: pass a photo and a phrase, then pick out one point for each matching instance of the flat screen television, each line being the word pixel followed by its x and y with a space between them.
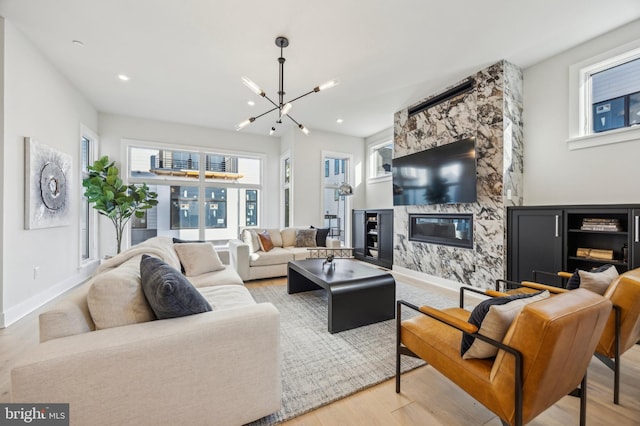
pixel 441 175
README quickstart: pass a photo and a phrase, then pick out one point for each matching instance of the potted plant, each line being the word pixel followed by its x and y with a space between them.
pixel 113 199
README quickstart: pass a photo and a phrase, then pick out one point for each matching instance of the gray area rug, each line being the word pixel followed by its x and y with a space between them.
pixel 318 367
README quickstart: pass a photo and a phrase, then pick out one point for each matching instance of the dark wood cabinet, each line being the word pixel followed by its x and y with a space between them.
pixel 535 243
pixel 372 236
pixel 555 238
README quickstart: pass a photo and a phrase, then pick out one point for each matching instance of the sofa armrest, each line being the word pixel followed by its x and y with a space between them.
pixel 185 370
pixel 239 256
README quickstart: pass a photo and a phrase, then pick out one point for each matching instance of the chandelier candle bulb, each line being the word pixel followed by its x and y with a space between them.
pixel 286 108
pixel 327 85
pixel 253 86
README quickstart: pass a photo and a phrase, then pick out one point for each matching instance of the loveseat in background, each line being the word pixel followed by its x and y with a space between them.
pixel 251 262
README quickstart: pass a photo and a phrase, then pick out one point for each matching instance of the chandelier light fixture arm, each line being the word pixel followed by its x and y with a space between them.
pixel 282 107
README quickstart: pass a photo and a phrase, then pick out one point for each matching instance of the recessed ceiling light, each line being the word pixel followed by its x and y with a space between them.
pixel 123 77
pixel 251 103
pixel 339 120
pixel 77 43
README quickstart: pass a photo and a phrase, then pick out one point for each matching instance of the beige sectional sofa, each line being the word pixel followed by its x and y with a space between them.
pixel 102 352
pixel 252 262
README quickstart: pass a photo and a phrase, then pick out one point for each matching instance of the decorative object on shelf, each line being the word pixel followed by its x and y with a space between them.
pixel 47 180
pixel 114 199
pixel 282 107
pixel 594 253
pixel 329 261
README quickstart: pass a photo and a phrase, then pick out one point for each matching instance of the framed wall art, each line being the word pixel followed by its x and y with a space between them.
pixel 47 186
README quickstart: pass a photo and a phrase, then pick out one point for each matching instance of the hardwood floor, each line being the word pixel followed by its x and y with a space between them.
pixel 427 397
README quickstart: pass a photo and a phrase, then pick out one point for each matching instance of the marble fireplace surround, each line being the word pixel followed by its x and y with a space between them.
pixel 490 112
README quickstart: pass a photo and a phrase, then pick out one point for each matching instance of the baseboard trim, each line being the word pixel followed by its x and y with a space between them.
pixel 435 281
pixel 29 305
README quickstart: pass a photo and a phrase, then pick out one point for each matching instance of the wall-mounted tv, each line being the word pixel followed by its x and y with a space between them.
pixel 441 175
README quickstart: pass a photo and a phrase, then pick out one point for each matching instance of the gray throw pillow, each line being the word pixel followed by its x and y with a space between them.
pixel 306 237
pixel 168 292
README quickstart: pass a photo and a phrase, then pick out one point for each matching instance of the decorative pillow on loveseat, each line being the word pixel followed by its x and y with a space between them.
pixel 168 292
pixel 493 317
pixel 306 237
pixel 321 236
pixel 596 280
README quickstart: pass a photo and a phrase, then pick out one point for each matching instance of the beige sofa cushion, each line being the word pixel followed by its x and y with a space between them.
pixel 276 237
pixel 227 296
pixel 198 258
pixel 299 253
pixel 115 297
pixel 226 276
pixel 275 256
pixel 288 237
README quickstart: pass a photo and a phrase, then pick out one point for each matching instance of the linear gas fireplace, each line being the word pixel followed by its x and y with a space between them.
pixel 446 229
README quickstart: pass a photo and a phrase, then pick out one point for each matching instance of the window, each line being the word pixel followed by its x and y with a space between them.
pixel 334 206
pixel 252 208
pixel 615 97
pixel 88 154
pixel 285 184
pixel 605 98
pixel 201 195
pixel 380 156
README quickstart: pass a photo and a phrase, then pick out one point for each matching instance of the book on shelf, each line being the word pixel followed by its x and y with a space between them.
pixel 590 227
pixel 601 224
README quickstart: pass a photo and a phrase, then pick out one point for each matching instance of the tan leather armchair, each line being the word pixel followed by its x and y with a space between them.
pixel 623 327
pixel 543 357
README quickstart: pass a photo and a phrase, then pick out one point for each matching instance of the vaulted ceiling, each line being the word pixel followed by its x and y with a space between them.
pixel 185 58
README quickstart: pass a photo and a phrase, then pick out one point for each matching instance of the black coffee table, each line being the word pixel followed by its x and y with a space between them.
pixel 357 294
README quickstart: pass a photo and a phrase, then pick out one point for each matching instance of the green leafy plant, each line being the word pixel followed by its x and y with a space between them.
pixel 113 199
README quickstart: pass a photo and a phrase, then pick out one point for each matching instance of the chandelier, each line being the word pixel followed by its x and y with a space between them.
pixel 282 107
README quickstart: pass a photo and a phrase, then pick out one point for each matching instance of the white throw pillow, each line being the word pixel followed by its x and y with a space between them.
pixel 598 282
pixel 198 258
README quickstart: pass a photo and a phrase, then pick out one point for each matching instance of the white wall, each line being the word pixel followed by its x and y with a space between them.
pixel 308 172
pixel 378 191
pixel 554 175
pixel 114 128
pixel 38 103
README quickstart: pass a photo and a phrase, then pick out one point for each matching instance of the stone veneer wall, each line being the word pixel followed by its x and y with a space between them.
pixel 492 114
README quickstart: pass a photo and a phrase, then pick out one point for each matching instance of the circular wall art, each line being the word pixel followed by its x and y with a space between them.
pixel 53 186
pixel 47 186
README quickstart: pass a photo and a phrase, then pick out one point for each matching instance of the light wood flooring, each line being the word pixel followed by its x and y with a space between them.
pixel 427 397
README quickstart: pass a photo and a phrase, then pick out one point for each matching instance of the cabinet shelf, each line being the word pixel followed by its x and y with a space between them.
pixel 372 236
pixel 599 261
pixel 547 238
pixel 582 231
